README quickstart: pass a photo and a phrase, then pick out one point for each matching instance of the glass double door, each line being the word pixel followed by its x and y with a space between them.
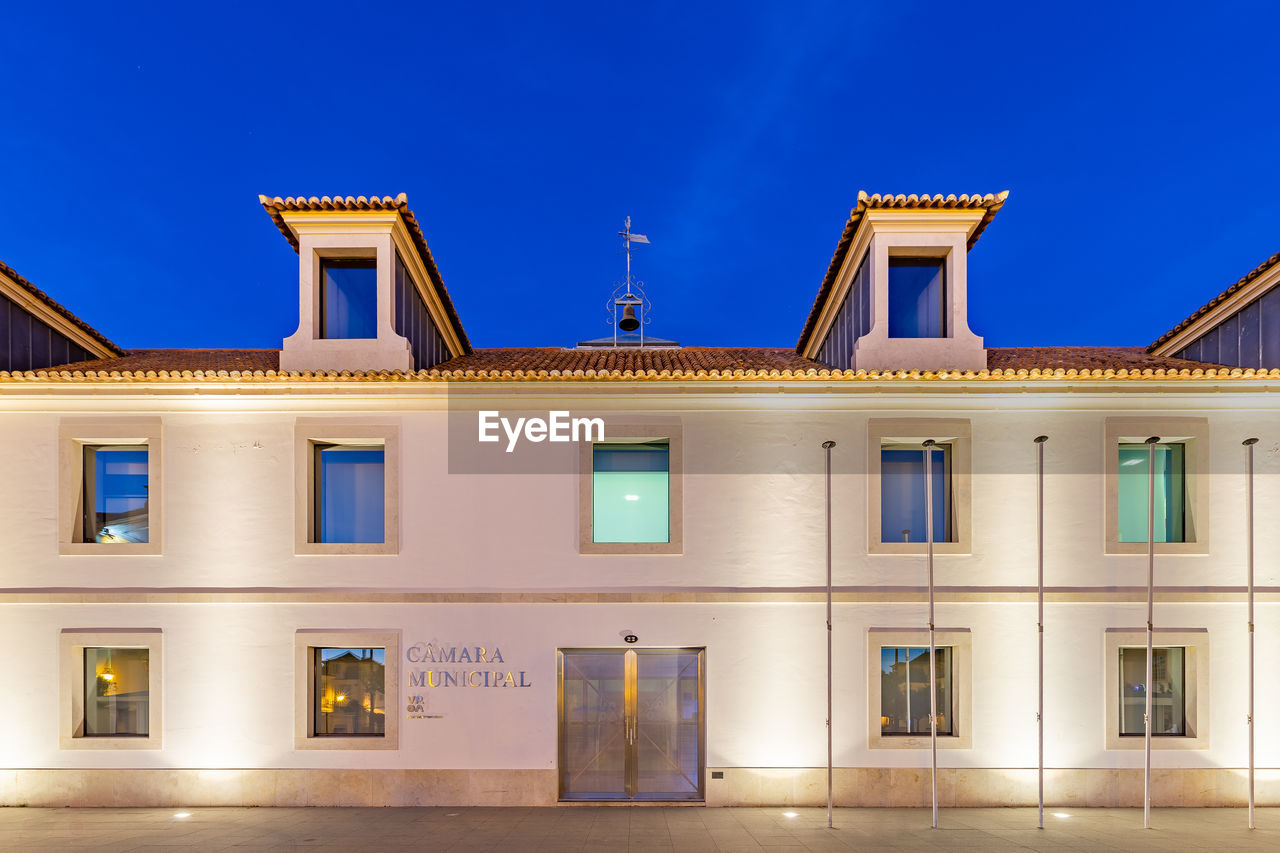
pixel 631 724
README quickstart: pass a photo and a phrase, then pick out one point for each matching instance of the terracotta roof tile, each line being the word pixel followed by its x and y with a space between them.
pixel 274 206
pixel 685 364
pixel 989 202
pixel 1205 308
pixel 142 360
pixel 1086 358
pixel 39 294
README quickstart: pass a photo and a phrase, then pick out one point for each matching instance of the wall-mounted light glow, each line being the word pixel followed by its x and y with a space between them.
pixel 341 697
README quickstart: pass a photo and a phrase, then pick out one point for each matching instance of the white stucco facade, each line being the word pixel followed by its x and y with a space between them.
pixel 492 560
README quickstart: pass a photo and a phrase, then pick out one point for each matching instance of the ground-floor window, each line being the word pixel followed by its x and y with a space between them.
pixel 111 681
pixel 1168 692
pixel 350 692
pixel 904 690
pixel 117 693
pixel 346 690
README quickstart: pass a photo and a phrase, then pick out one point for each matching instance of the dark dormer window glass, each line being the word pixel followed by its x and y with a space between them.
pixel 917 298
pixel 349 298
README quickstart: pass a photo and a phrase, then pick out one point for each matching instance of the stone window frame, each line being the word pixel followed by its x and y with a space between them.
pixel 627 434
pixel 308 432
pixel 305 640
pixel 74 435
pixel 960 641
pixel 1196 643
pixel 958 432
pixel 71 645
pixel 1194 433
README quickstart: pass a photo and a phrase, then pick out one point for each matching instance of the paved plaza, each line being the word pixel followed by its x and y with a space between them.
pixel 616 829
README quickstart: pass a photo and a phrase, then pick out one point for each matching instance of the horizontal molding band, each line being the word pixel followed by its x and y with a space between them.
pixel 846 595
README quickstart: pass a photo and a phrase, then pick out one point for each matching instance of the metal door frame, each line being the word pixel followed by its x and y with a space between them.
pixel 630 724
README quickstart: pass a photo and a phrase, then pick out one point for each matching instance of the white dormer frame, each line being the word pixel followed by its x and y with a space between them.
pixel 910 233
pixel 380 235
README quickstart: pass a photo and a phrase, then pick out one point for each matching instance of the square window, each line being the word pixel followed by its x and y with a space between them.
pixel 1182 495
pixel 1168 696
pixel 347 492
pixel 346 689
pixel 350 493
pixel 902 493
pixel 350 692
pixel 1170 492
pixel 630 492
pixel 1179 688
pixel 115 493
pixel 109 481
pixel 898 688
pixel 117 694
pixel 896 512
pixel 904 690
pixel 110 688
pixel 348 298
pixel 917 297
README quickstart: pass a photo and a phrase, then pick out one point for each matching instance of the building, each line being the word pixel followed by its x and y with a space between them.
pixel 347 572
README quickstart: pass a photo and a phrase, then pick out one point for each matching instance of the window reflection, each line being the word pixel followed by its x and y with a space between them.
pixel 902 494
pixel 904 690
pixel 115 494
pixel 1170 493
pixel 350 493
pixel 350 695
pixel 1168 696
pixel 116 692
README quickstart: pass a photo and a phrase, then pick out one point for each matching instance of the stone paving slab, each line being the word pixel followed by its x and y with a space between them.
pixel 634 829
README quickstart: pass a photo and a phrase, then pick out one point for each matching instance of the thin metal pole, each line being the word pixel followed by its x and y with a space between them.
pixel 933 676
pixel 826 446
pixel 1040 440
pixel 1248 515
pixel 1151 580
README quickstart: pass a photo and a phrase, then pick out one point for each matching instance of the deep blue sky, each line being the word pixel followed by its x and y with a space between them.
pixel 1140 148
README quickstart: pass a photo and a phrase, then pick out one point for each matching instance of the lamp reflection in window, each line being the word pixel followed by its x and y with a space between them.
pixel 350 696
pixel 116 692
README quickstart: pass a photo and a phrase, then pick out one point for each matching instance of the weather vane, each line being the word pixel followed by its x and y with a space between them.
pixel 629 295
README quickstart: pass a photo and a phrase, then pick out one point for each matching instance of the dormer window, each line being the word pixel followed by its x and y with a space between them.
pixel 917 298
pixel 349 298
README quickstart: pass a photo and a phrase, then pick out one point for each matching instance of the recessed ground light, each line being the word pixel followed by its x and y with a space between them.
pixel 637 497
pixel 1061 814
pixel 182 814
pixel 454 814
pixel 789 814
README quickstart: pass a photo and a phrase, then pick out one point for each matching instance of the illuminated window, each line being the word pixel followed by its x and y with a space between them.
pixel 1181 485
pixel 902 494
pixel 349 298
pixel 631 492
pixel 1170 492
pixel 1168 695
pixel 350 489
pixel 350 693
pixel 917 298
pixel 115 494
pixel 110 696
pixel 117 693
pixel 904 691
